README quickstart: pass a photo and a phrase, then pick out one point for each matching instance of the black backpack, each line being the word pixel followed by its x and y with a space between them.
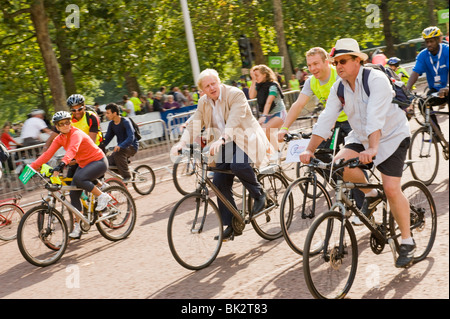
pixel 401 98
pixel 4 154
pixel 137 131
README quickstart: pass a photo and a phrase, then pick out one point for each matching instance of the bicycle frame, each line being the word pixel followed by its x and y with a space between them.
pixel 433 127
pixel 240 216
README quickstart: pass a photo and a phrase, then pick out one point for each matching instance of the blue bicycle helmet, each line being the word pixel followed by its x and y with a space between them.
pixel 393 61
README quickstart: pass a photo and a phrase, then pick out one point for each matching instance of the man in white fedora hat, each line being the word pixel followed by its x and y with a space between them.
pixel 379 128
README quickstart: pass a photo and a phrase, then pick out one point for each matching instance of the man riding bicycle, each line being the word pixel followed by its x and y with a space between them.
pixel 127 144
pixel 434 61
pixel 380 128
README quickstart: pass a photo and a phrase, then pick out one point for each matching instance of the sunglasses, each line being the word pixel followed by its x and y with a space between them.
pixel 341 61
pixel 65 123
pixel 77 110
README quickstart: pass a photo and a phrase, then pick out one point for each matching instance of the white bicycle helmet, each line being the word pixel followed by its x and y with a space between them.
pixel 75 99
pixel 61 115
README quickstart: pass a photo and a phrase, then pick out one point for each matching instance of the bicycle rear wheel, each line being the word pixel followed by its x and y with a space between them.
pixel 423 219
pixel 10 216
pixel 144 179
pixel 296 222
pixel 123 214
pixel 425 151
pixel 193 225
pixel 184 174
pixel 42 236
pixel 329 260
pixel 268 224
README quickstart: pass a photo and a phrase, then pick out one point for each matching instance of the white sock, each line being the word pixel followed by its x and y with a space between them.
pixel 407 241
pixel 372 193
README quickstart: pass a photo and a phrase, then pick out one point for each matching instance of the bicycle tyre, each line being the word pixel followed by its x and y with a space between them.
pixel 115 181
pixel 268 225
pixel 420 170
pixel 423 219
pixel 123 209
pixel 295 223
pixel 38 244
pixel 195 248
pixel 144 179
pixel 329 274
pixel 10 216
pixel 184 175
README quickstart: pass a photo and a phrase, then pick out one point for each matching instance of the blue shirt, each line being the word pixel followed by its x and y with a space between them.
pixel 124 132
pixel 423 65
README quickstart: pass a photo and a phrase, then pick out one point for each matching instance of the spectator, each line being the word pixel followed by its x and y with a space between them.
pixel 99 112
pixel 136 102
pixel 189 100
pixel 157 104
pixel 245 89
pixel 170 104
pixel 6 138
pixel 150 101
pixel 194 94
pixel 294 84
pixel 178 96
pixel 33 127
pixel 162 89
pixel 128 109
pixel 145 104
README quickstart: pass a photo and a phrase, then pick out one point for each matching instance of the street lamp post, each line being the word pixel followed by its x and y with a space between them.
pixel 190 40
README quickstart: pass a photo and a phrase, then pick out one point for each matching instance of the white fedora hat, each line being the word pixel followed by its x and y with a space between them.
pixel 347 46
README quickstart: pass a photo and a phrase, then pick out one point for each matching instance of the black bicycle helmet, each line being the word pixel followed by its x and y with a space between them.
pixel 61 115
pixel 75 99
pixel 431 32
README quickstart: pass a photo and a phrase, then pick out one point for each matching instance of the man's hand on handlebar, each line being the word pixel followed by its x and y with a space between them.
pixel 176 149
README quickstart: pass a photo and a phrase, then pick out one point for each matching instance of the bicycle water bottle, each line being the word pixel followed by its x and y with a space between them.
pixel 84 196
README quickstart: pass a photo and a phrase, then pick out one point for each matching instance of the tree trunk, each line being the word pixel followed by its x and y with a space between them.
pixel 281 40
pixel 431 14
pixel 65 57
pixel 39 18
pixel 388 38
pixel 131 83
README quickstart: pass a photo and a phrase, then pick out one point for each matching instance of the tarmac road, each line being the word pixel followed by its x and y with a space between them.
pixel 142 267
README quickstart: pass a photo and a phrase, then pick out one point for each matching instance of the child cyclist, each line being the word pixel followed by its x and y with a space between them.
pixel 90 158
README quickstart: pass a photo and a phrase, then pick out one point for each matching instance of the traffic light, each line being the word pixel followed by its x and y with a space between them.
pixel 245 49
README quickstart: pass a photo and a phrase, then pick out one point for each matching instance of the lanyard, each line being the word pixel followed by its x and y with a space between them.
pixel 436 68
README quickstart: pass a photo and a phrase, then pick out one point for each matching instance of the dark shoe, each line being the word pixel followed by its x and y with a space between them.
pixel 405 255
pixel 370 203
pixel 259 204
pixel 228 234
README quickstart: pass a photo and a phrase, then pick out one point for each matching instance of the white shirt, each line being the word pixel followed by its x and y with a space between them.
pixel 32 128
pixel 130 106
pixel 217 114
pixel 367 114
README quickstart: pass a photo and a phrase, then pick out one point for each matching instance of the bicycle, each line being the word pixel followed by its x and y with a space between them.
pixel 194 228
pixel 42 234
pixel 330 253
pixel 143 178
pixel 10 216
pixel 424 144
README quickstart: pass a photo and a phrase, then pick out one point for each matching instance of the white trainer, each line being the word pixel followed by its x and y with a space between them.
pixel 102 201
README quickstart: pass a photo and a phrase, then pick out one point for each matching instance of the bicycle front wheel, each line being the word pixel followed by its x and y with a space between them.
pixel 194 231
pixel 330 256
pixel 122 210
pixel 422 216
pixel 268 224
pixel 424 151
pixel 10 216
pixel 144 179
pixel 307 200
pixel 42 236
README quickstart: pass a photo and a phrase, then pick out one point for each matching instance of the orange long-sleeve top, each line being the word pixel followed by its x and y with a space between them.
pixel 78 146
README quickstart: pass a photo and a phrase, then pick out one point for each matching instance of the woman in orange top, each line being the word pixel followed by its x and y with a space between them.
pixel 90 158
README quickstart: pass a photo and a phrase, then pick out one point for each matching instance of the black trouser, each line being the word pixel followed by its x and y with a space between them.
pixel 120 159
pixel 234 159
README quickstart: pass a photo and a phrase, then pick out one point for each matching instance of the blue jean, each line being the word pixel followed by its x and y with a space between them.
pixel 234 159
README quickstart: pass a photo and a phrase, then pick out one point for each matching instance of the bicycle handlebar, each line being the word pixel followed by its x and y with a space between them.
pixel 295 136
